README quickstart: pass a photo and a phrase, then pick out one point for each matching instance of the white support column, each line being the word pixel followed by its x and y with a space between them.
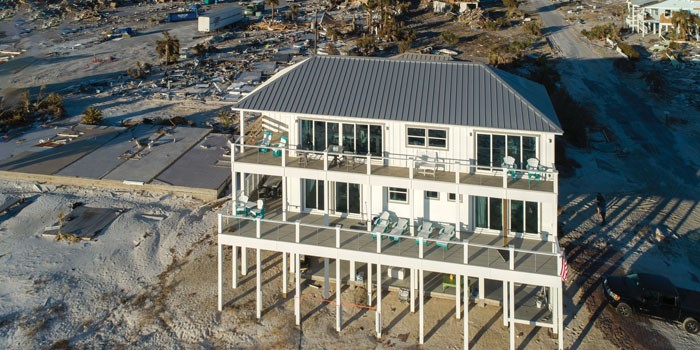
pixel 297 290
pixel 421 300
pixel 554 303
pixel 244 261
pixel 284 195
pixel 466 313
pixel 284 274
pixel 326 194
pixel 369 284
pixel 511 306
pixel 482 291
pixel 234 267
pixel 258 287
pixel 241 127
pixel 505 303
pixel 325 278
pixel 412 224
pixel 220 275
pixel 378 315
pixel 292 265
pixel 338 307
pixel 412 290
pixel 458 296
pixel 560 311
pixel 369 205
pixel 353 271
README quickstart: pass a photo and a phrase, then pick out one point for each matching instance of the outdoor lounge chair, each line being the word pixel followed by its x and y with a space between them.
pixel 534 171
pixel 279 148
pixel 399 230
pixel 265 143
pixel 447 233
pixel 241 204
pixel 383 222
pixel 259 211
pixel 509 165
pixel 425 231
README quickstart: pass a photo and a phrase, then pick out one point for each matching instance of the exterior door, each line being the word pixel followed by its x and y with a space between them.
pixel 347 198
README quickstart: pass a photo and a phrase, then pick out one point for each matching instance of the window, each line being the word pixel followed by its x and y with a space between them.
pixel 452 197
pixel 317 135
pixel 398 194
pixel 313 194
pixel 426 137
pixel 524 216
pixel 432 195
pixel 491 149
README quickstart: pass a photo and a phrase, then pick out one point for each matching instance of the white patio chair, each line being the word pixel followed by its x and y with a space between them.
pixel 534 172
pixel 399 230
pixel 425 231
pixel 509 165
pixel 241 204
pixel 447 232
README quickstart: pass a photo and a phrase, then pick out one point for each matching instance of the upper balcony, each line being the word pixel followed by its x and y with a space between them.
pixel 461 171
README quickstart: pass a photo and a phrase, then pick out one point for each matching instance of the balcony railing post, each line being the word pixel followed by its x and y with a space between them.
pixel 511 254
pixel 369 164
pixel 466 252
pixel 283 150
pixel 457 169
pixel 420 247
pixel 297 226
pixel 257 228
pixel 410 168
pixel 505 178
pixel 337 236
pixel 325 160
pixel 220 219
pixel 379 242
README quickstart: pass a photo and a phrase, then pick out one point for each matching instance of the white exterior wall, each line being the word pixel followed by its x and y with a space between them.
pixel 461 145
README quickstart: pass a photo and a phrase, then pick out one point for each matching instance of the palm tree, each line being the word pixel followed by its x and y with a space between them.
pixel 369 6
pixel 169 48
pixel 293 12
pixel 272 4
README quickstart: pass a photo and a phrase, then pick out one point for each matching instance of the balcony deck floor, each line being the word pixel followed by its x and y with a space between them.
pixel 406 246
pixel 253 156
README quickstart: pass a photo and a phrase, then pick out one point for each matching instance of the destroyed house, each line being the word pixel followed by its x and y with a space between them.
pixel 655 16
pixel 444 155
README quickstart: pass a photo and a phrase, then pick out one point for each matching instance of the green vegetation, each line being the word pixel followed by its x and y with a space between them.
pixel 168 48
pixel 629 51
pixel 532 28
pixel 601 32
pixel 512 4
pixel 29 110
pixel 687 25
pixel 92 116
pixel 449 38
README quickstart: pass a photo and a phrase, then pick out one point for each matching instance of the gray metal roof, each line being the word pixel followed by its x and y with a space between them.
pixel 452 93
pixel 413 56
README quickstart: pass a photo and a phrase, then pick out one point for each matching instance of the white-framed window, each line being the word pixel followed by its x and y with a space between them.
pixel 492 148
pixel 426 137
pixel 399 195
pixel 452 197
pixel 432 195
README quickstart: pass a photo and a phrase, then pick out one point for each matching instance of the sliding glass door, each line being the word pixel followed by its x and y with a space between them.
pixel 347 198
pixel 313 194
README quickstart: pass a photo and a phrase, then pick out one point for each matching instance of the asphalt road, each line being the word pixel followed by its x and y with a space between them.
pixel 653 156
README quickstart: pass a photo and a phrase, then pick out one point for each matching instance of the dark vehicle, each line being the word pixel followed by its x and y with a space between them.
pixel 653 295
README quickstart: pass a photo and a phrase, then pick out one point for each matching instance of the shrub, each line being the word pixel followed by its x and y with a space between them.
pixel 532 28
pixel 92 116
pixel 629 51
pixel 655 80
pixel 404 46
pixel 511 3
pixel 449 38
pixel 601 32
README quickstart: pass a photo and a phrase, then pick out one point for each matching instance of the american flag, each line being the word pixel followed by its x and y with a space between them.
pixel 564 267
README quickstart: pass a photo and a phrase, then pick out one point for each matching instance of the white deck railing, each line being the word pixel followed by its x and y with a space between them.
pixel 332 160
pixel 454 251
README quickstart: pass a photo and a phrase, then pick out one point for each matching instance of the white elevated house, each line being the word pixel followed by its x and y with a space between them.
pixel 655 16
pixel 411 150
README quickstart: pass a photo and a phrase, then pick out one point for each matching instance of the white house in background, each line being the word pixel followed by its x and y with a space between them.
pixel 653 16
pixel 441 141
